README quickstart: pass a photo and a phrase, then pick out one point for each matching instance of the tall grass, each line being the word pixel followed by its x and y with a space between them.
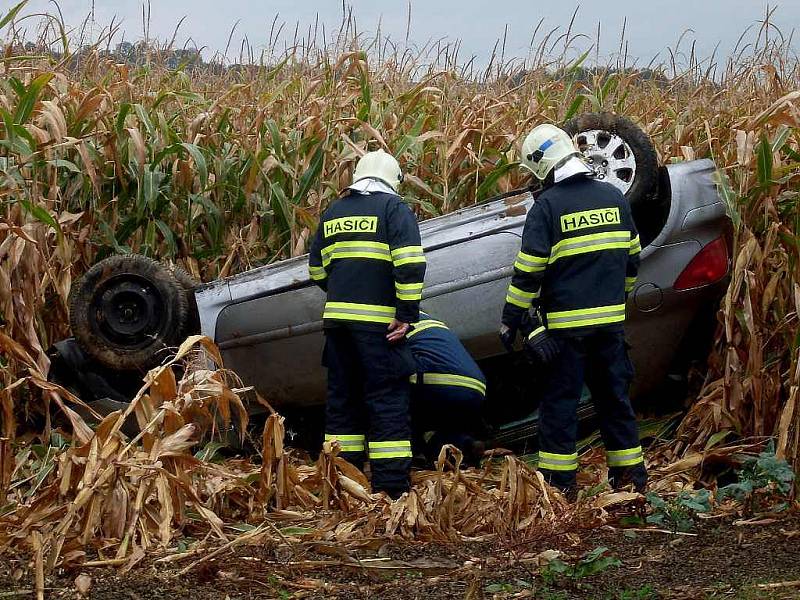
pixel 222 169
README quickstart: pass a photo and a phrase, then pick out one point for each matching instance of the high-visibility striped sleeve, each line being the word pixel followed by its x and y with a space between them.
pixel 530 266
pixel 408 291
pixel 635 246
pixel 634 258
pixel 528 263
pixel 316 269
pixel 390 449
pixel 519 297
pixel 408 255
pixel 408 260
pixel 317 273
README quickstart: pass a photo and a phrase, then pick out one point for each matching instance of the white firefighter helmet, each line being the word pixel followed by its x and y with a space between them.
pixel 546 148
pixel 379 165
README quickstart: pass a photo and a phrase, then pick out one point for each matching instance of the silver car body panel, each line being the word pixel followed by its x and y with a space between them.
pixel 267 321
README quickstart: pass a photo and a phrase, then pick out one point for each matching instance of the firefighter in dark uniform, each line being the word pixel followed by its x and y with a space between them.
pixel 578 262
pixel 447 393
pixel 368 256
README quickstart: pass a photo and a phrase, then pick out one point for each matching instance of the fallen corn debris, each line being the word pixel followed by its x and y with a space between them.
pixel 106 500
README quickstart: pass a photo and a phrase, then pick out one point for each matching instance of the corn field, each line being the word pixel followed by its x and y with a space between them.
pixel 222 169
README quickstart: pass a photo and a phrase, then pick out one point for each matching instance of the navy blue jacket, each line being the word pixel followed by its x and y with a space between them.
pixel 441 358
pixel 368 257
pixel 579 259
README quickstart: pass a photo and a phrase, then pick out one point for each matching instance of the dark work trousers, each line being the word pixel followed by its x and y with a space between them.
pixel 451 413
pixel 601 360
pixel 368 403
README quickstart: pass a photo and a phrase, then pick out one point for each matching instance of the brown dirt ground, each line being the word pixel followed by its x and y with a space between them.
pixel 722 561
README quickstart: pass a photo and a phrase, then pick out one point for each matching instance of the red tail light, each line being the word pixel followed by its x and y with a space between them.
pixel 709 266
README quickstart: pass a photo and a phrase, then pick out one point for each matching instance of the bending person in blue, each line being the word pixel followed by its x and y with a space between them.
pixel 447 392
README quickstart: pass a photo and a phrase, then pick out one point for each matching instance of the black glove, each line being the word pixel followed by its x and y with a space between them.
pixel 541 346
pixel 507 336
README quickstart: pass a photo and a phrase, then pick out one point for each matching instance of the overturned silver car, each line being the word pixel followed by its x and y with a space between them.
pixel 268 321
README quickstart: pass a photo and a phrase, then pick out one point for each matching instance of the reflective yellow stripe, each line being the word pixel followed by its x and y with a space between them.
pixel 630 283
pixel 600 315
pixel 636 246
pixel 409 297
pixel 317 273
pixel 558 462
pixel 609 240
pixel 536 332
pixel 407 255
pixel 423 325
pixel 349 311
pixel 450 379
pixel 519 297
pixel 530 263
pixel 410 261
pixel 408 291
pixel 390 449
pixel 343 437
pixel 348 443
pixel 625 458
pixel 360 249
pixel 404 251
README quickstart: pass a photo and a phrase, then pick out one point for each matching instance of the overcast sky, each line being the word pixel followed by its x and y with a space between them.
pixel 652 25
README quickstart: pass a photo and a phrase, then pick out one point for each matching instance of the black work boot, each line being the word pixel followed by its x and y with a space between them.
pixel 621 478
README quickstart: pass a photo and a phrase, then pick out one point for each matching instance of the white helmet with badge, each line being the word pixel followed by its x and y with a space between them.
pixel 546 148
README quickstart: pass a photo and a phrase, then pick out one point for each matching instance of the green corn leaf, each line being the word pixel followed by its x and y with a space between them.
pixel 8 123
pixel 28 99
pixel 168 235
pixel 780 138
pixel 310 176
pixel 119 123
pixel 42 215
pixel 144 118
pixel 150 239
pixel 594 101
pixel 150 188
pixel 578 63
pixel 199 161
pixel 765 162
pixel 608 87
pixel 489 185
pixel 728 196
pixel 11 15
pixel 366 98
pixel 280 205
pixel 574 107
pixel 65 164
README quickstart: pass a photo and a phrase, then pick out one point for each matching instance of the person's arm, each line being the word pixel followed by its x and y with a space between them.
pixel 634 257
pixel 408 261
pixel 316 270
pixel 529 268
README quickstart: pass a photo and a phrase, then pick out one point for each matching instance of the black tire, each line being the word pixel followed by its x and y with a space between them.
pixel 645 178
pixel 126 312
pixel 188 283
